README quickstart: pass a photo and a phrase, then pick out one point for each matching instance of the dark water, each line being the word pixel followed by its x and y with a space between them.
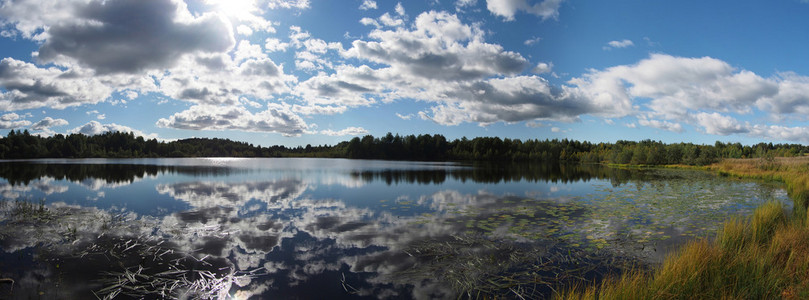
pixel 328 229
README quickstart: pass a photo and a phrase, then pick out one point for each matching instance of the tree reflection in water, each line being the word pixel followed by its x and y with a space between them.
pixel 308 233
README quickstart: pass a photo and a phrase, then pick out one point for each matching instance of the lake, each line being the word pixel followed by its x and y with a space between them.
pixel 299 228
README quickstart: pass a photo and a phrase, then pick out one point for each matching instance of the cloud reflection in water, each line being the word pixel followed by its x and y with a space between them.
pixel 284 232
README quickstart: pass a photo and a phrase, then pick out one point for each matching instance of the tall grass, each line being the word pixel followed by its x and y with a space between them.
pixel 733 235
pixel 765 256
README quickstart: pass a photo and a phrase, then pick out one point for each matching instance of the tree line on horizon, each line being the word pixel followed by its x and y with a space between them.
pixel 425 147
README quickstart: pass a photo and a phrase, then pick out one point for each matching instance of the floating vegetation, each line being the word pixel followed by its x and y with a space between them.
pixel 511 246
pixel 479 267
pixel 162 272
pixel 25 211
pixel 104 253
pixel 763 256
pixel 635 218
pixel 526 240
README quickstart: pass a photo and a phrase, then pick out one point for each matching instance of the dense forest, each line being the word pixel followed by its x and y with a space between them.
pixel 21 144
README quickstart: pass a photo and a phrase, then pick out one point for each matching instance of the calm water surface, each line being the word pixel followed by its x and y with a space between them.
pixel 330 228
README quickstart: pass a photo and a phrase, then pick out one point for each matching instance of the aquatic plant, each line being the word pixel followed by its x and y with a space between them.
pixel 504 246
pixel 160 271
pixel 617 229
pixel 764 257
pixel 88 240
pixel 478 267
pixel 20 210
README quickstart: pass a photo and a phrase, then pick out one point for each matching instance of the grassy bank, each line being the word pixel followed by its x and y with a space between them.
pixel 762 257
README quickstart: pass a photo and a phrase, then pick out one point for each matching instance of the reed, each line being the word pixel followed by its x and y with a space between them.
pixel 765 256
pixel 766 219
pixel 734 235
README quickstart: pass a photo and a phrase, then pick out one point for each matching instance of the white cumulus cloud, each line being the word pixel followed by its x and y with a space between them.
pixel 274 45
pixel 344 132
pixel 12 121
pixel 368 4
pixel 445 62
pixel 28 86
pixel 677 85
pixel 619 44
pixel 399 9
pixel 543 68
pixel 276 118
pixel 715 123
pixel 508 8
pixel 659 124
pixel 47 123
pixel 94 128
pixel 109 36
pixel 297 4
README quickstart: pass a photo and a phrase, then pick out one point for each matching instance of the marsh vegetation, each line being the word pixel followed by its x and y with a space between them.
pixel 312 228
pixel 762 256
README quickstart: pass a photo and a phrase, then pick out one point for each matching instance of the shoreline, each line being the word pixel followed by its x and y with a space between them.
pixel 762 256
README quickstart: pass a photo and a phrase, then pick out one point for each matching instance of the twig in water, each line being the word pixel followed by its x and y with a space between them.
pixel 346 285
pixel 515 293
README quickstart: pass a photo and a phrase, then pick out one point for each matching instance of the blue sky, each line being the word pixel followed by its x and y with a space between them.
pixel 297 72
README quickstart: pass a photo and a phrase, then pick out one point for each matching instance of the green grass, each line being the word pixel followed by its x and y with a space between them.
pixel 765 256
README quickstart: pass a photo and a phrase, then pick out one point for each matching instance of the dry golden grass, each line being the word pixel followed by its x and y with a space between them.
pixel 763 257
